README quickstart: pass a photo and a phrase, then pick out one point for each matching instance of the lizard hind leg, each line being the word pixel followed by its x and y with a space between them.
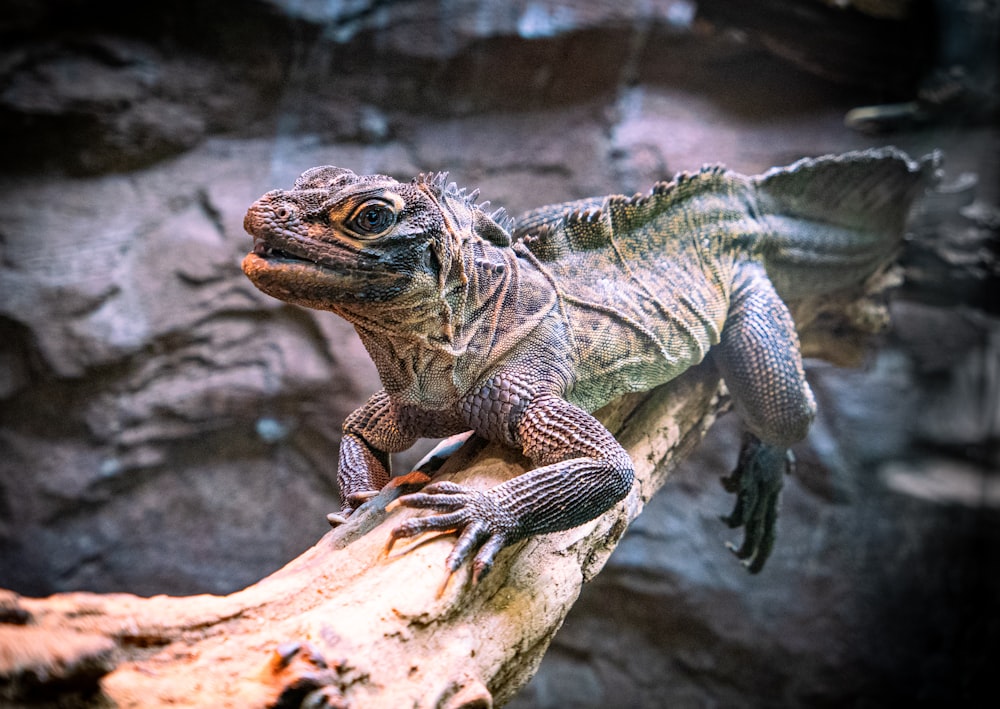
pixel 759 358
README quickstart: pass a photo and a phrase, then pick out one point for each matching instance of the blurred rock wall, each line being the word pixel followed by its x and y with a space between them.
pixel 165 428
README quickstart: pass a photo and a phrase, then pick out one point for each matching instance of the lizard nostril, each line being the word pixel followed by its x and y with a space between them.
pixel 282 212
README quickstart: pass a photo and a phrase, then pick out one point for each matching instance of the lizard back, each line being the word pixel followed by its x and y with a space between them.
pixel 643 282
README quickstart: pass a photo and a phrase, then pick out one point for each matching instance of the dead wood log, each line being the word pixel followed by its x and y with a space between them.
pixel 347 624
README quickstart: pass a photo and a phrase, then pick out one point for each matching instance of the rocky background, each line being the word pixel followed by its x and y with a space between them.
pixel 165 428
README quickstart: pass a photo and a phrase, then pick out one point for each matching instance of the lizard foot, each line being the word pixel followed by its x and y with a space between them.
pixel 394 489
pixel 353 502
pixel 484 528
pixel 757 482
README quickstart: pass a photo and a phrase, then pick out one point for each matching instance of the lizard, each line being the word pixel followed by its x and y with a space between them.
pixel 519 329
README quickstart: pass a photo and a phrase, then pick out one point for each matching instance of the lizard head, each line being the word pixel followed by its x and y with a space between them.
pixel 341 241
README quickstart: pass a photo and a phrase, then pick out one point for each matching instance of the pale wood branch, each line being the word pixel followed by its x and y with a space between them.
pixel 356 625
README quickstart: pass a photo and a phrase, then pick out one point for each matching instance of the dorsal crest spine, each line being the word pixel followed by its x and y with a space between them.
pixel 594 227
pixel 438 181
pixel 588 229
pixel 547 243
pixel 579 230
pixel 628 213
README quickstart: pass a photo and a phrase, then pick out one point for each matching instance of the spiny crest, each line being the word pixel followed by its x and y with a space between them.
pixel 708 175
pixel 628 213
pixel 579 230
pixel 434 180
pixel 546 243
pixel 588 224
pixel 438 181
pixel 499 215
pixel 588 229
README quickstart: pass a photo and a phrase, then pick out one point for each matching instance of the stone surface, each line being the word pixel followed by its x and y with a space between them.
pixel 165 414
pixel 165 428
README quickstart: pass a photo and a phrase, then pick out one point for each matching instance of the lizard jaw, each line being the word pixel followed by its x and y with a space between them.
pixel 316 285
pixel 279 273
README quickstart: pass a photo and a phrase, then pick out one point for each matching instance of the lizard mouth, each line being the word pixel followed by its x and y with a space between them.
pixel 319 281
pixel 272 264
pixel 283 254
pixel 272 253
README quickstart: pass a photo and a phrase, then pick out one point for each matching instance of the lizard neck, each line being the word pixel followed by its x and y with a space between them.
pixel 429 352
pixel 411 346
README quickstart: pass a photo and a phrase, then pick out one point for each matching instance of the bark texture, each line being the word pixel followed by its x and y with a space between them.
pixel 348 623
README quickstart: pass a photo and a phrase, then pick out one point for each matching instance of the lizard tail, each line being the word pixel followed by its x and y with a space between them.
pixel 835 220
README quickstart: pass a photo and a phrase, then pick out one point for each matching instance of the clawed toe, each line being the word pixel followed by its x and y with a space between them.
pixel 356 499
pixel 757 482
pixel 336 519
pixel 445 487
pixel 459 508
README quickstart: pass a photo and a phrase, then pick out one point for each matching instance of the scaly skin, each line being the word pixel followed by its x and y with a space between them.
pixel 518 332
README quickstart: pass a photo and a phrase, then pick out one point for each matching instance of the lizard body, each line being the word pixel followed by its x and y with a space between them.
pixel 518 330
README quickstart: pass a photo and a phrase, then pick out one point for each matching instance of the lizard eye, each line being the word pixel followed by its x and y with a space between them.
pixel 372 218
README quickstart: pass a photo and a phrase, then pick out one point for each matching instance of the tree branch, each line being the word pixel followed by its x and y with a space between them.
pixel 347 622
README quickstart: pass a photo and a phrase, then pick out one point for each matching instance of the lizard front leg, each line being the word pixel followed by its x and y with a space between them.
pixel 380 427
pixel 584 471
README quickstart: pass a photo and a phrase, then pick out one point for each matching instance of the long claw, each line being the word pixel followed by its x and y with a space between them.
pixel 483 563
pixel 336 519
pixel 406 530
pixel 757 482
pixel 444 585
pixel 432 523
pixel 483 529
pixel 472 536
